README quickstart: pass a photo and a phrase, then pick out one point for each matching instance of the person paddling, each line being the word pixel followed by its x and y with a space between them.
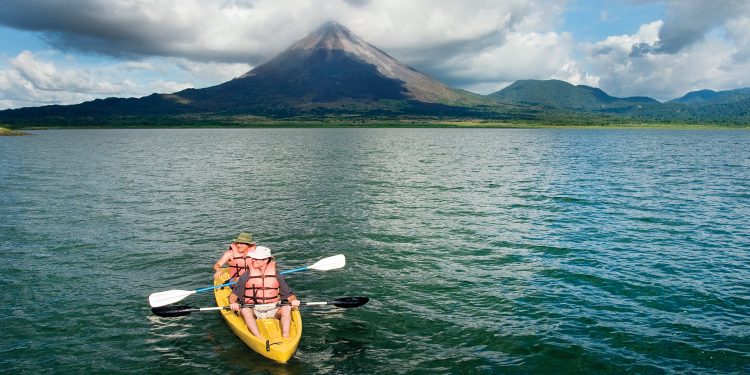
pixel 264 288
pixel 236 256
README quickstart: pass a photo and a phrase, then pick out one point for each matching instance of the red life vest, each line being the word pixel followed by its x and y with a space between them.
pixel 262 286
pixel 238 262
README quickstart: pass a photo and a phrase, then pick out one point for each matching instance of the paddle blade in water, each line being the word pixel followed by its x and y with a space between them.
pixel 172 311
pixel 349 302
pixel 330 263
pixel 168 297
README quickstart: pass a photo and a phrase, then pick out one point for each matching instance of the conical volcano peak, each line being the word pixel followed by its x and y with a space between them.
pixel 332 27
pixel 331 35
pixel 332 63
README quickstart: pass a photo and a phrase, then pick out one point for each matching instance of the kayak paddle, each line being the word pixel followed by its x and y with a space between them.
pixel 171 296
pixel 172 311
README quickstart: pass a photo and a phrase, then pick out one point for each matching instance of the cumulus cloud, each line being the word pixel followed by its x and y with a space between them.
pixel 210 73
pixel 251 32
pixel 46 76
pixel 479 45
pixel 28 79
pixel 706 63
pixel 698 45
pixel 162 86
pixel 227 31
pixel 738 30
pixel 688 22
pixel 521 56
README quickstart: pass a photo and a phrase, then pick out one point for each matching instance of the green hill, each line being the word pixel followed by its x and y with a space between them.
pixel 708 97
pixel 333 75
pixel 560 94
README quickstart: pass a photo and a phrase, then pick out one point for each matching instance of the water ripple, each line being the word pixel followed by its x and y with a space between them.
pixel 483 251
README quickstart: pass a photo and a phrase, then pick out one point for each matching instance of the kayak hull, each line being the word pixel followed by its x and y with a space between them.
pixel 273 346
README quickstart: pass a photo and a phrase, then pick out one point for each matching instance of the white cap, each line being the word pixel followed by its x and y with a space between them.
pixel 260 252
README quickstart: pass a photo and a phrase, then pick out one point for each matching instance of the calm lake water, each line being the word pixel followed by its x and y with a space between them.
pixel 483 251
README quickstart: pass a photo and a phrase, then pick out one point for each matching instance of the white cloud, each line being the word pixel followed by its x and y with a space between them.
pixel 521 56
pixel 480 45
pixel 27 80
pixel 250 32
pixel 738 30
pixel 689 22
pixel 169 86
pixel 253 31
pixel 30 80
pixel 46 76
pixel 636 65
pixel 469 44
pixel 210 73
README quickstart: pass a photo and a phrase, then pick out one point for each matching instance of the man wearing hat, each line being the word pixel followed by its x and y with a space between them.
pixel 236 256
pixel 264 289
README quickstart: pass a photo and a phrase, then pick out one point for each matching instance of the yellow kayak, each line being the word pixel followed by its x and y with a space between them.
pixel 273 346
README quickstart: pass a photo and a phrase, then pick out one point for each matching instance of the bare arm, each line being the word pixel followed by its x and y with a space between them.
pixel 220 263
pixel 233 302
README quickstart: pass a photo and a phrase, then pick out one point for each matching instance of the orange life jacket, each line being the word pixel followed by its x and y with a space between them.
pixel 262 286
pixel 238 262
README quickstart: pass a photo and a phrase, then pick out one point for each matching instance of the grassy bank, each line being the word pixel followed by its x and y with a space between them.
pixel 541 125
pixel 246 121
pixel 11 132
pixel 395 124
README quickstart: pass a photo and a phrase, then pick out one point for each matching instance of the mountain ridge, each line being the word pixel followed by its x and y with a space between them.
pixel 561 94
pixel 708 97
pixel 332 73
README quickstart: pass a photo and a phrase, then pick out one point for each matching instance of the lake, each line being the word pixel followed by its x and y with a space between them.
pixel 483 251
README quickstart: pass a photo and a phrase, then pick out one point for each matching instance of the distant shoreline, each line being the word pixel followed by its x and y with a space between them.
pixel 18 130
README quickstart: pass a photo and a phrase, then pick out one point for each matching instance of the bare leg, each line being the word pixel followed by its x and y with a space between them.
pixel 285 315
pixel 249 317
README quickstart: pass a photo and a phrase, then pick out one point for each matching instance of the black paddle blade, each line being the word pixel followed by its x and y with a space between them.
pixel 349 302
pixel 171 311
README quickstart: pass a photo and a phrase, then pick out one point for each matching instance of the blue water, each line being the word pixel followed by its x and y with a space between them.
pixel 483 251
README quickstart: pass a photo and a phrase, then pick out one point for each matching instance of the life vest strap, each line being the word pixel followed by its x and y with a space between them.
pixel 258 299
pixel 237 267
pixel 261 276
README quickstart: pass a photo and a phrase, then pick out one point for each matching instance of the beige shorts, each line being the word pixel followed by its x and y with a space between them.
pixel 265 311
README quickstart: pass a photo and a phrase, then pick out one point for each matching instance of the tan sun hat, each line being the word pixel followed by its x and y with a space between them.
pixel 244 237
pixel 260 252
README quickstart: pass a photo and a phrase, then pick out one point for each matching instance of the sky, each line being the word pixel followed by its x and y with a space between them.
pixel 67 52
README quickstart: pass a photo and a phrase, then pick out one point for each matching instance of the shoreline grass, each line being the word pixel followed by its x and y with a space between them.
pixel 467 124
pixel 5 132
pixel 328 121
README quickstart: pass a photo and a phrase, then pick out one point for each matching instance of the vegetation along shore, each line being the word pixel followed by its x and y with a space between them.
pixel 11 132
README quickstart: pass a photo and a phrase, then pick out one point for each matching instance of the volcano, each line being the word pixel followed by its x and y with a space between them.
pixel 331 68
pixel 329 72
